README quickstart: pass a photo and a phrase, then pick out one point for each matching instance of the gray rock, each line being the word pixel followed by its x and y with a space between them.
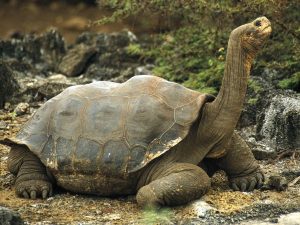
pixel 54 85
pixel 39 88
pixel 125 75
pixel 121 39
pixel 112 60
pixel 107 42
pixel 276 182
pixel 9 217
pixel 290 219
pixel 97 72
pixel 260 150
pixel 279 124
pixel 3 125
pixel 144 70
pixel 43 52
pixel 21 109
pixel 74 62
pixel 8 83
pixel 200 208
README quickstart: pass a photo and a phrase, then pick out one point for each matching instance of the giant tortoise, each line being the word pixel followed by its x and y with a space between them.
pixel 147 136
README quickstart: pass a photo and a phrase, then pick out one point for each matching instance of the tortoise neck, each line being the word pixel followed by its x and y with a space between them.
pixel 219 118
pixel 228 104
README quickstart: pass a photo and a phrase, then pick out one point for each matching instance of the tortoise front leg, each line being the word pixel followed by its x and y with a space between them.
pixel 32 180
pixel 176 184
pixel 240 165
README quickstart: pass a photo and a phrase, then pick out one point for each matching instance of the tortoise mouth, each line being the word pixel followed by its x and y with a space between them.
pixel 265 32
pixel 267 29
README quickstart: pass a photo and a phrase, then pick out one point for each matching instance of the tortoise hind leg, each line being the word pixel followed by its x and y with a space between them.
pixel 32 180
pixel 177 184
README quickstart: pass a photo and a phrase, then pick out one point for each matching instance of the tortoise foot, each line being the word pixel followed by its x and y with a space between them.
pixel 248 182
pixel 32 189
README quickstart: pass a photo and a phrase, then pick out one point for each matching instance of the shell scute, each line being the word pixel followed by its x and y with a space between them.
pixel 62 155
pixel 86 155
pixel 147 119
pixel 114 159
pixel 137 155
pixel 66 118
pixel 175 94
pixel 104 118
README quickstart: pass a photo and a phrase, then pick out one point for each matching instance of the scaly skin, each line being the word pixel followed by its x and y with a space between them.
pixel 32 178
pixel 177 184
pixel 239 164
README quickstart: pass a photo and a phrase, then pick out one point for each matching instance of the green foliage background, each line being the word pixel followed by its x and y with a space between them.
pixel 192 48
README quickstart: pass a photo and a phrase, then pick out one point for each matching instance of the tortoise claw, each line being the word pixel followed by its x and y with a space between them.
pixel 243 187
pixel 252 185
pixel 44 194
pixel 25 194
pixel 33 194
pixel 248 182
pixel 32 189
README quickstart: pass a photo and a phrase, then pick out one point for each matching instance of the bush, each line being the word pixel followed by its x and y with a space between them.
pixel 193 53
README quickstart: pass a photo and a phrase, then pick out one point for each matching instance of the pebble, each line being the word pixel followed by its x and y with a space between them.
pixel 3 125
pixel 8 216
pixel 290 219
pixel 278 183
pixel 200 208
pixel 21 108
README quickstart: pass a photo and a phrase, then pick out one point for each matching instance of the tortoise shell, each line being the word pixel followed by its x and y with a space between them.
pixel 111 128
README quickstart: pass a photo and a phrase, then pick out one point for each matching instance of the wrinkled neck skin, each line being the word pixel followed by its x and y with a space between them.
pixel 219 118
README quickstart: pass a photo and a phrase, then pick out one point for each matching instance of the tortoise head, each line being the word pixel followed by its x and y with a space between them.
pixel 253 35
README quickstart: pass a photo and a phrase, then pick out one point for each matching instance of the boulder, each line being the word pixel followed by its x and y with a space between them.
pixel 278 124
pixel 74 62
pixel 9 217
pixel 8 83
pixel 97 72
pixel 260 150
pixel 112 60
pixel 39 52
pixel 39 88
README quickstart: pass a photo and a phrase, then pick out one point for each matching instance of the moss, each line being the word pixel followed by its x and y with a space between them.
pixel 134 49
pixel 291 83
pixel 252 101
pixel 154 216
pixel 254 85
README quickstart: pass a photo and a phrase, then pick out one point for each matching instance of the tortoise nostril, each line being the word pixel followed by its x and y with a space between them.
pixel 257 23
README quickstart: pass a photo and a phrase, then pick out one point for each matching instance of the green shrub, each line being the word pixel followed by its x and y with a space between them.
pixel 193 52
pixel 134 49
pixel 291 83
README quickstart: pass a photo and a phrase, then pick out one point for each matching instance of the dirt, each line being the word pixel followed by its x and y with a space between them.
pixel 228 207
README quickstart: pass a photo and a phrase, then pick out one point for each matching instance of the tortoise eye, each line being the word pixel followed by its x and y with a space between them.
pixel 257 23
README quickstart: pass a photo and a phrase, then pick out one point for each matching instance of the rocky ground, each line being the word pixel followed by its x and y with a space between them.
pixel 220 206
